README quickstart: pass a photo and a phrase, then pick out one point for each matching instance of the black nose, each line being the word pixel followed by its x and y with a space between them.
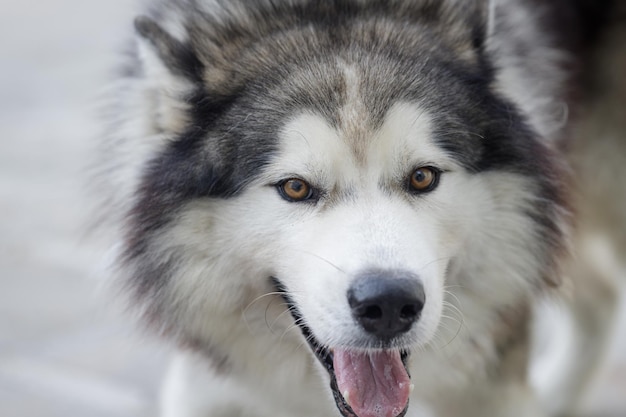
pixel 386 303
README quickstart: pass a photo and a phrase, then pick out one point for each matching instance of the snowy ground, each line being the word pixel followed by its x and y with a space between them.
pixel 62 351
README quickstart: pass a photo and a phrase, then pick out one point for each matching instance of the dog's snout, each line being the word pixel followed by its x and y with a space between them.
pixel 386 303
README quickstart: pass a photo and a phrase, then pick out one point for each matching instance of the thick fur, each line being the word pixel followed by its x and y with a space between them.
pixel 220 101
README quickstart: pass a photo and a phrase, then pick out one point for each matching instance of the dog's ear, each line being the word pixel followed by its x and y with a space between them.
pixel 470 23
pixel 172 72
pixel 175 55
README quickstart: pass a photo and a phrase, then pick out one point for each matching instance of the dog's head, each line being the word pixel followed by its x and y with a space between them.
pixel 358 163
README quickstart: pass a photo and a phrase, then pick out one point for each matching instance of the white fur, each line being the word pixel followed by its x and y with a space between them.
pixel 330 246
pixel 235 244
pixel 222 298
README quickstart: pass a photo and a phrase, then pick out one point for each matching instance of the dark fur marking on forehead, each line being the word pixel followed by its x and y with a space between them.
pixel 271 43
pixel 249 37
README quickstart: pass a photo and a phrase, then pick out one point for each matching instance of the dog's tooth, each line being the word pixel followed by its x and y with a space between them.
pixel 411 387
pixel 346 396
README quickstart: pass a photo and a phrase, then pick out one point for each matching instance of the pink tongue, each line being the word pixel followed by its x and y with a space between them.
pixel 373 384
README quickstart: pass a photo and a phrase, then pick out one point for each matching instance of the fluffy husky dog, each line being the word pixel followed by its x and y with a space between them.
pixel 348 207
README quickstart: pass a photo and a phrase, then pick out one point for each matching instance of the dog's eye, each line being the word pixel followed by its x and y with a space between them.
pixel 295 189
pixel 423 179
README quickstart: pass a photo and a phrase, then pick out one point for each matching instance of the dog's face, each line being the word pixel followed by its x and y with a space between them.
pixel 360 232
pixel 346 211
pixel 356 185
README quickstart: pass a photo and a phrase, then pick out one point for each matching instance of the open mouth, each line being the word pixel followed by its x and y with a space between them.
pixel 363 383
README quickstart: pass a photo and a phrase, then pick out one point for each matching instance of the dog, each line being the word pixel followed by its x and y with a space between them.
pixel 350 207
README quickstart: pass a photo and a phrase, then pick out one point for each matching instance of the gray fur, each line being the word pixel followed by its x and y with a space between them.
pixel 200 124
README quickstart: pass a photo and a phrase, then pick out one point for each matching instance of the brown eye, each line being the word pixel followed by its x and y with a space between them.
pixel 423 179
pixel 295 190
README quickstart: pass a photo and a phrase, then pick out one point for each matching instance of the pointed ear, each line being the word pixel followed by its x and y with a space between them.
pixel 171 72
pixel 472 21
pixel 175 55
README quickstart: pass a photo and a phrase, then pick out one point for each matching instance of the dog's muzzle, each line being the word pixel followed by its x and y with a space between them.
pixel 366 382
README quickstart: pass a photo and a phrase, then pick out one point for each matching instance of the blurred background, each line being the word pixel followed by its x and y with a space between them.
pixel 63 351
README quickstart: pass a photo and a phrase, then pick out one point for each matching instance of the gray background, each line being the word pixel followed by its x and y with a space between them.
pixel 63 350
